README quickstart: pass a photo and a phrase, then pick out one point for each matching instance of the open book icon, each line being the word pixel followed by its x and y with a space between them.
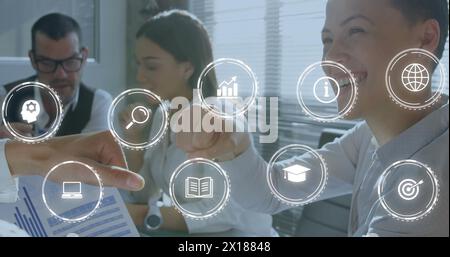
pixel 198 187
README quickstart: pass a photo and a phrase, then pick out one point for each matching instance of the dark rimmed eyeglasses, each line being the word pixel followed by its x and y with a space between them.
pixel 47 65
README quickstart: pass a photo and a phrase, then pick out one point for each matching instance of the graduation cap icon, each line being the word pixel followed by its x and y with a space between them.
pixel 295 173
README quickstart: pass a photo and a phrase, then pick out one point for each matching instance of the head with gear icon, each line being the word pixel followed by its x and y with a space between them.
pixel 30 111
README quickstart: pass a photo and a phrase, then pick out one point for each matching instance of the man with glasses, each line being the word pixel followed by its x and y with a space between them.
pixel 58 58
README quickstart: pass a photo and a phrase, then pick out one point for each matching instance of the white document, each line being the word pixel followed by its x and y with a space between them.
pixel 30 213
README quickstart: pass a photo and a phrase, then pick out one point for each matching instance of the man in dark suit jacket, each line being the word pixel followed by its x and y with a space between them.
pixel 58 58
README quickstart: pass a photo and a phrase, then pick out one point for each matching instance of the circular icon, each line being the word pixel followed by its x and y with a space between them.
pixel 136 119
pixel 336 91
pixel 326 88
pixel 199 188
pixel 415 77
pixel 30 111
pixel 21 104
pixel 406 70
pixel 71 200
pixel 408 190
pixel 236 88
pixel 302 178
pixel 137 132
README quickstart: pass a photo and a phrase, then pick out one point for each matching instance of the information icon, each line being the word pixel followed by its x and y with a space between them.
pixel 323 90
pixel 332 85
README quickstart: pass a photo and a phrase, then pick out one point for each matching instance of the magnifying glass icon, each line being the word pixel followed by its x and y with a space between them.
pixel 138 119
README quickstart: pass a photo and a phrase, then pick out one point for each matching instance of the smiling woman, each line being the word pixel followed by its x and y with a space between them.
pixel 364 36
pixel 172 49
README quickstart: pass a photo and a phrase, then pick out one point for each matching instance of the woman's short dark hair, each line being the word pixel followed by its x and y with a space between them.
pixel 421 10
pixel 183 36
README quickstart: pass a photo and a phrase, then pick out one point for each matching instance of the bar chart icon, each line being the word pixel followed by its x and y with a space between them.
pixel 228 88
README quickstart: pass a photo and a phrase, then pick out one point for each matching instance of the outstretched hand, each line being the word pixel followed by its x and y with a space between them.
pixel 98 150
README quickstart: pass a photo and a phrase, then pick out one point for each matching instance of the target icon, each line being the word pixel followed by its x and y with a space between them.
pixel 408 189
pixel 406 179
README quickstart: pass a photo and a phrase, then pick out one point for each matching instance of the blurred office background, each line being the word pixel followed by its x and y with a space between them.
pixel 278 39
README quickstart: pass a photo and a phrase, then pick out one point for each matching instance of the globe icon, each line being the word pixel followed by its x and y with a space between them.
pixel 415 77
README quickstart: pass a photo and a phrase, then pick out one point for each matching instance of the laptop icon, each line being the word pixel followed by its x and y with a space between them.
pixel 72 190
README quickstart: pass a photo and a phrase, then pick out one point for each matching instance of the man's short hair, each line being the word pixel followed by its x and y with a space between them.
pixel 421 10
pixel 55 26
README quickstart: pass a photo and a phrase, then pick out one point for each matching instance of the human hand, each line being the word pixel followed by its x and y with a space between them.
pixel 22 128
pixel 217 145
pixel 98 150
